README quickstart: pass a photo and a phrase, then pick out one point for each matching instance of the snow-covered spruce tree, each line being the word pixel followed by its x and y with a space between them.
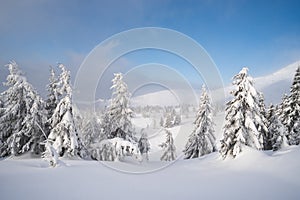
pixel 242 118
pixel 294 138
pixel 202 140
pixel 53 98
pixel 265 132
pixel 90 131
pixel 63 135
pixel 117 119
pixel 1 113
pixel 169 149
pixel 291 109
pixel 23 112
pixel 177 119
pixel 282 106
pixel 276 130
pixel 144 145
pixel 168 123
pixel 171 118
pixel 161 122
pixel 1 105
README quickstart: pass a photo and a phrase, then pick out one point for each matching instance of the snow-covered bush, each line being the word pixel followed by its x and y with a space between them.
pixel 115 149
pixel 50 154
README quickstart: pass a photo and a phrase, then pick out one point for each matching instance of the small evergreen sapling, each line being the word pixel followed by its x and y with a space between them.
pixel 144 145
pixel 169 149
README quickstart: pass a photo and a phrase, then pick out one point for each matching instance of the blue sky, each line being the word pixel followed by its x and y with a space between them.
pixel 264 35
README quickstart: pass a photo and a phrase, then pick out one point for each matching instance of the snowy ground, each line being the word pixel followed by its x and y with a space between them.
pixel 253 175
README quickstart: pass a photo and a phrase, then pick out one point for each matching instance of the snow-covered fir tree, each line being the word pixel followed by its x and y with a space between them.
pixel 168 122
pixel 265 132
pixel 177 119
pixel 23 111
pixel 1 105
pixel 89 131
pixel 161 122
pixel 276 130
pixel 63 135
pixel 117 119
pixel 290 114
pixel 169 149
pixel 294 137
pixel 242 118
pixel 171 118
pixel 1 113
pixel 202 139
pixel 282 106
pixel 144 145
pixel 53 98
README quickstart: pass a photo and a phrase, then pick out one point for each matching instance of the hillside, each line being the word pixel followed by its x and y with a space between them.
pixel 272 85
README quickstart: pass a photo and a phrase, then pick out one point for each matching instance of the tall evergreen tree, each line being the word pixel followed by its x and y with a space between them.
pixel 265 132
pixel 282 106
pixel 63 135
pixel 53 98
pixel 23 112
pixel 1 105
pixel 276 130
pixel 242 118
pixel 117 119
pixel 202 139
pixel 290 114
pixel 169 149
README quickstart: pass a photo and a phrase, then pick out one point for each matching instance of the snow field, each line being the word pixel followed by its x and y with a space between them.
pixel 253 175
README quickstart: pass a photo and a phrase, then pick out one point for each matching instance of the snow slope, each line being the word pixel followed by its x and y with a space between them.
pixel 273 86
pixel 253 175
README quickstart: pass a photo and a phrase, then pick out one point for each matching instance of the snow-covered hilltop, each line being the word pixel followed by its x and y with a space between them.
pixel 272 85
